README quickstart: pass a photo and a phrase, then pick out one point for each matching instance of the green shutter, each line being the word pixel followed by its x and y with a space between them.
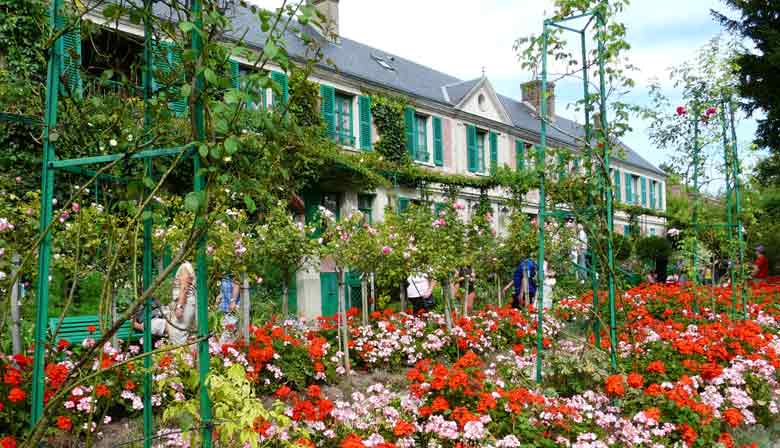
pixel 471 148
pixel 411 141
pixel 617 188
pixel 328 94
pixel 519 155
pixel 71 59
pixel 281 80
pixel 629 190
pixel 643 183
pixel 652 193
pixel 493 152
pixel 661 193
pixel 179 105
pixel 329 293
pixel 364 106
pixel 403 204
pixel 235 74
pixel 438 144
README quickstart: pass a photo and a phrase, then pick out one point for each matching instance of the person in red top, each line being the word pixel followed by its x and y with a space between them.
pixel 761 265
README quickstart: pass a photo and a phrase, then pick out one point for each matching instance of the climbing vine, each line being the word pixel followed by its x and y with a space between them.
pixel 388 115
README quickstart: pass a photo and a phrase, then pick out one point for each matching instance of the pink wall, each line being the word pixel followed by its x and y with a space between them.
pixel 447 142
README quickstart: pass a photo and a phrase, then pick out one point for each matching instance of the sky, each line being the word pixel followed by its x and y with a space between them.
pixel 462 37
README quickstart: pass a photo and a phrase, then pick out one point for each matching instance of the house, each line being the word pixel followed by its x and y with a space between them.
pixel 454 126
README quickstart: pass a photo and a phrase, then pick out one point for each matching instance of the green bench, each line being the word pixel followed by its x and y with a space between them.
pixel 75 329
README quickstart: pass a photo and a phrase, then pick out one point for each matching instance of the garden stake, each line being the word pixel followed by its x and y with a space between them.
pixel 735 169
pixel 540 161
pixel 16 328
pixel 245 307
pixel 364 297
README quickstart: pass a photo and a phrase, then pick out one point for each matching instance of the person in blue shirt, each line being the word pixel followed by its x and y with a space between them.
pixel 527 269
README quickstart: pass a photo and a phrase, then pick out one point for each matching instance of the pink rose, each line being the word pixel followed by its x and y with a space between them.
pixel 76 207
pixel 386 250
pixel 712 111
pixel 681 110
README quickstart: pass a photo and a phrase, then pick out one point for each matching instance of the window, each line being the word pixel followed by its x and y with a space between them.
pixel 421 137
pixel 481 137
pixel 629 188
pixel 343 120
pixel 652 231
pixel 365 206
pixel 626 229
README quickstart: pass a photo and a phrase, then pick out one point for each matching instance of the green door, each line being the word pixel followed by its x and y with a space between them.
pixel 354 290
pixel 329 291
pixel 292 296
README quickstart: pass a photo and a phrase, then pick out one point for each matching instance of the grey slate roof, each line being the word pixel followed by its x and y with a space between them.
pixel 360 61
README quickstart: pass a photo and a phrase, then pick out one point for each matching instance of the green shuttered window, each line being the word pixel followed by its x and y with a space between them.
pixel 343 119
pixel 629 188
pixel 471 148
pixel 519 155
pixel 328 106
pixel 409 131
pixel 282 95
pixel 652 194
pixel 71 60
pixel 618 189
pixel 643 186
pixel 493 152
pixel 364 113
pixel 438 144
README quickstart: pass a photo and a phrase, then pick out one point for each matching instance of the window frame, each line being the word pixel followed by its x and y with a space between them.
pixel 417 150
pixel 367 212
pixel 344 138
pixel 482 136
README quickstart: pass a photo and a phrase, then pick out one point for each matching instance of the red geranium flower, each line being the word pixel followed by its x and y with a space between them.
pixel 8 442
pixel 91 328
pixel 12 377
pixel 635 380
pixel 614 385
pixel 687 433
pixel 15 395
pixel 62 344
pixel 352 441
pixel 726 440
pixel 656 367
pixel 282 392
pixel 403 429
pixel 64 423
pixel 733 417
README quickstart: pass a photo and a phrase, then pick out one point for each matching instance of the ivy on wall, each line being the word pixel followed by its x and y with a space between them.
pixel 304 100
pixel 388 115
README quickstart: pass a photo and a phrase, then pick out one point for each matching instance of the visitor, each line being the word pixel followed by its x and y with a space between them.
pixel 549 283
pixel 465 283
pixel 229 301
pixel 420 292
pixel 761 265
pixel 524 282
pixel 158 326
pixel 183 306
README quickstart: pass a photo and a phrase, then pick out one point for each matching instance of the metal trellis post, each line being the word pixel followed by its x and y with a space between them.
pixel 696 201
pixel 540 156
pixel 729 205
pixel 47 194
pixel 608 196
pixel 735 169
pixel 201 268
pixel 147 259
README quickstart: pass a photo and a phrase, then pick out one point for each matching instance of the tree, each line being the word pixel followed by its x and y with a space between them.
pixel 757 66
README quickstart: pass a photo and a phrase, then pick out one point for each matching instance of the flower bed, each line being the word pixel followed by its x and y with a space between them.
pixel 684 379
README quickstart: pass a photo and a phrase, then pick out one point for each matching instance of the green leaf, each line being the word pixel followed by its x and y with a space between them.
pixel 186 27
pixel 271 50
pixel 149 182
pixel 231 145
pixel 211 76
pixel 250 204
pixel 203 150
pixel 193 201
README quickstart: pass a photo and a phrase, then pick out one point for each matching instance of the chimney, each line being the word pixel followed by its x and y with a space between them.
pixel 532 94
pixel 330 26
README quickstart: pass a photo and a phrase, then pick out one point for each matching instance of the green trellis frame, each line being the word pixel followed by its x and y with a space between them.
pixel 50 165
pixel 603 176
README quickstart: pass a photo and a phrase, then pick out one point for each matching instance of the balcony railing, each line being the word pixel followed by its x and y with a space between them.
pixel 103 87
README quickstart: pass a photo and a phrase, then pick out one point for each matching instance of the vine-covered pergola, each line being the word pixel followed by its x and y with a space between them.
pixel 51 165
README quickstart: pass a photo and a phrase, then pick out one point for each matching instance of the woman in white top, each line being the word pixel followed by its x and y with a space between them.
pixel 420 292
pixel 184 303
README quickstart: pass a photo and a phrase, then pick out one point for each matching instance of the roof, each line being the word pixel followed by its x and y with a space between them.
pixel 379 67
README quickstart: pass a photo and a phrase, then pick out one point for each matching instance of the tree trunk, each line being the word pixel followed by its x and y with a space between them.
pixel 16 328
pixel 403 298
pixel 343 324
pixel 373 293
pixel 245 307
pixel 447 302
pixel 364 297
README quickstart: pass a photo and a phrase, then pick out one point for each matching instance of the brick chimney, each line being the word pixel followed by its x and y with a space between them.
pixel 532 94
pixel 330 9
